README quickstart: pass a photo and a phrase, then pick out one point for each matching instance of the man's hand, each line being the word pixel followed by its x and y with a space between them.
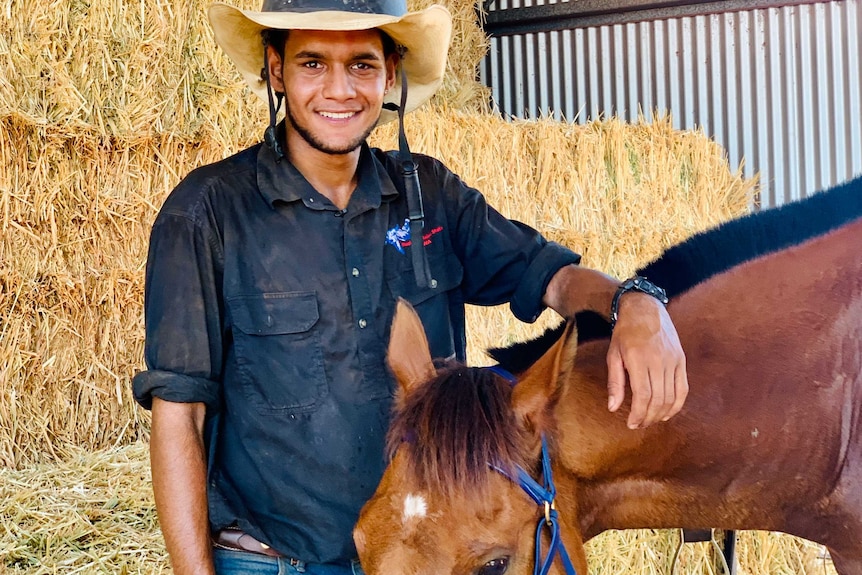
pixel 645 346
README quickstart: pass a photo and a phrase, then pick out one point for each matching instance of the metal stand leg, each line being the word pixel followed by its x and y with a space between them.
pixel 730 551
pixel 726 555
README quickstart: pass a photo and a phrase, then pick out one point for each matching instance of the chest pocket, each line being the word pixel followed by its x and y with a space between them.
pixel 278 353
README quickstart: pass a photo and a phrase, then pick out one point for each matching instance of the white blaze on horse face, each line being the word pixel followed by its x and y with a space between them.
pixel 414 506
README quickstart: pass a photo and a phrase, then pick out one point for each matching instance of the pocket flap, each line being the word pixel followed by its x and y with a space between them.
pixel 446 270
pixel 274 313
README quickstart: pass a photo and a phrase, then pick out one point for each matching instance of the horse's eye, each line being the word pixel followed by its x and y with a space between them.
pixel 496 566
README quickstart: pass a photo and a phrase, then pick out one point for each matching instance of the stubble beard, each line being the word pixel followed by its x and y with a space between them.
pixel 322 146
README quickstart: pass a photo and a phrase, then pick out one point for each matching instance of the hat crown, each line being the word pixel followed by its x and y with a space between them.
pixel 395 8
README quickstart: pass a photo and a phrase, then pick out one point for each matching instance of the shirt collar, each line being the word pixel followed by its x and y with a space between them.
pixel 282 182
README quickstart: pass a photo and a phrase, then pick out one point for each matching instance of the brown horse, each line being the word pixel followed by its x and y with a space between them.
pixel 769 311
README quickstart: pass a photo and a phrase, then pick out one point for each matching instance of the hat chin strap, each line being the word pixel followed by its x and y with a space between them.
pixel 270 136
pixel 413 191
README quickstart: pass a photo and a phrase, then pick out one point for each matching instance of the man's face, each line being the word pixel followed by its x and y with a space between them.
pixel 334 83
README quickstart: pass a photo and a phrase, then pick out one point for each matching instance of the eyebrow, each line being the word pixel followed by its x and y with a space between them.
pixel 312 55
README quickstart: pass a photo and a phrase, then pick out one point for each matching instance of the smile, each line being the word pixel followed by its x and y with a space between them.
pixel 337 115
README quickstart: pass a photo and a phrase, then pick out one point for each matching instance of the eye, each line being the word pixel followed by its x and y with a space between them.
pixel 365 68
pixel 496 566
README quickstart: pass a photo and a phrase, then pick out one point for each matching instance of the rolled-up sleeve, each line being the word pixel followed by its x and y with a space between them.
pixel 183 314
pixel 504 260
pixel 526 302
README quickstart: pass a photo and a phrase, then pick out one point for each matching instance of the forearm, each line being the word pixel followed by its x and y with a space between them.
pixel 574 288
pixel 178 461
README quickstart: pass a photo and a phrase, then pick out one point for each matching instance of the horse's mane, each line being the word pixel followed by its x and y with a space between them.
pixel 714 251
pixel 453 426
pixel 711 252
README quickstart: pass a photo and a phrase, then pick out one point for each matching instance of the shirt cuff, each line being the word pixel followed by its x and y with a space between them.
pixel 176 387
pixel 527 303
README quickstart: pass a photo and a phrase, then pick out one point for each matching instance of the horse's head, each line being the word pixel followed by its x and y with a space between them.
pixel 442 507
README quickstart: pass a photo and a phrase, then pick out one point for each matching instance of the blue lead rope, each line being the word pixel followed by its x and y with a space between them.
pixel 543 496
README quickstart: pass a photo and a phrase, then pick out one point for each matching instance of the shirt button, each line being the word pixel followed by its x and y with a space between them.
pixel 355 272
pixel 362 324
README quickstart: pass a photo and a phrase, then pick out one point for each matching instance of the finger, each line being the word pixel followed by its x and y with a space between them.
pixel 616 380
pixel 680 389
pixel 669 394
pixel 656 407
pixel 641 396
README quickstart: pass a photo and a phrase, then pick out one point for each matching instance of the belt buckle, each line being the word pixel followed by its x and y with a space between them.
pixel 238 540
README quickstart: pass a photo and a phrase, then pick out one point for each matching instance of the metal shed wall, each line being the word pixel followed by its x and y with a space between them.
pixel 778 87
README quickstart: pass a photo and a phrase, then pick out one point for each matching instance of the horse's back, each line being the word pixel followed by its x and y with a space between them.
pixel 774 350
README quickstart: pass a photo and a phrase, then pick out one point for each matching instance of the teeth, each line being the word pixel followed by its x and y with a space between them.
pixel 337 115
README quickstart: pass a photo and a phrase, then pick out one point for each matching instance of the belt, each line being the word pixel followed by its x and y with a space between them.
pixel 238 540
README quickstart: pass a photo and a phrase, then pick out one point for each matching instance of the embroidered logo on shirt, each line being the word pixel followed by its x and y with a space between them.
pixel 399 237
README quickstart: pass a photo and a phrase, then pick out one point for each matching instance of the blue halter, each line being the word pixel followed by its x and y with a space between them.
pixel 543 495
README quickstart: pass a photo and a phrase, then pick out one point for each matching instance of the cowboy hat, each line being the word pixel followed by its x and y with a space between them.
pixel 424 34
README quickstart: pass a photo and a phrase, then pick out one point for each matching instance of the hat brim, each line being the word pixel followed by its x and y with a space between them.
pixel 424 34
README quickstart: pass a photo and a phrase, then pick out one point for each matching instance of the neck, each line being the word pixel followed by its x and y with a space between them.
pixel 333 175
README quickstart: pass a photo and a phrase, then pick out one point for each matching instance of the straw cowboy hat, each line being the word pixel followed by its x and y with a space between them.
pixel 424 34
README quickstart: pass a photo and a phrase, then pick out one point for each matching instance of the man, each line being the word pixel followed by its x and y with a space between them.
pixel 272 279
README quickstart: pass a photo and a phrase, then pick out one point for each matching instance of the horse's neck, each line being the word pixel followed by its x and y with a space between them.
pixel 586 431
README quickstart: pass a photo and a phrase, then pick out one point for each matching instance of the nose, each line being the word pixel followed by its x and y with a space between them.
pixel 339 84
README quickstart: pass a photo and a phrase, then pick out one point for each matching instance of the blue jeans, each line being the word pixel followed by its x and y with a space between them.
pixel 229 562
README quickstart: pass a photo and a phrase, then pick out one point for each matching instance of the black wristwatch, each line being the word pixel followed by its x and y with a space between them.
pixel 635 283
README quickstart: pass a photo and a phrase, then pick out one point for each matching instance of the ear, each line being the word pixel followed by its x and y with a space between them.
pixel 539 387
pixel 275 69
pixel 409 356
pixel 391 70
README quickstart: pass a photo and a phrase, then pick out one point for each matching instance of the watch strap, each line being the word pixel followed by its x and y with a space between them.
pixel 635 283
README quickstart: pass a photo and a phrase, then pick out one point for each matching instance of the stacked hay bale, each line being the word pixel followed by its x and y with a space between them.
pixel 618 194
pixel 104 106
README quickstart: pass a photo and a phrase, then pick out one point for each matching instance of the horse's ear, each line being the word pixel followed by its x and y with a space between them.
pixel 539 385
pixel 409 356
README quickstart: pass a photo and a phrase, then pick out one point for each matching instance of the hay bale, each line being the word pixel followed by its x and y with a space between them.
pixel 104 106
pixel 651 551
pixel 92 513
pixel 134 72
pixel 617 193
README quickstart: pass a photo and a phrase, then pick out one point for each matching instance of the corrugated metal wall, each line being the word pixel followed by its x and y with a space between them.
pixel 778 87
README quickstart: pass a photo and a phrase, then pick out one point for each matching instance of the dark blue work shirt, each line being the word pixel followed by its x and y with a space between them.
pixel 273 307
